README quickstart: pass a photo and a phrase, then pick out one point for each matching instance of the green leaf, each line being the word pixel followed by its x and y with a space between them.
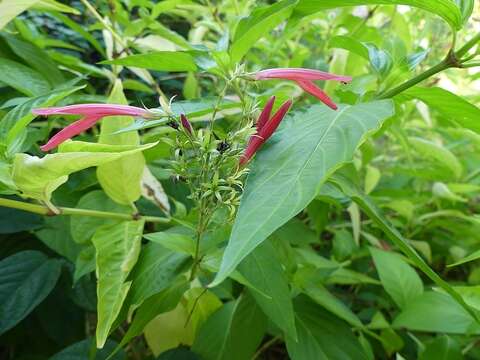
pixel 37 58
pixel 263 270
pixel 160 61
pixel 472 257
pixel 258 24
pixel 155 271
pixel 56 235
pixel 449 105
pixel 117 249
pixel 53 5
pixel 157 304
pixel 349 189
pixel 351 44
pixel 287 173
pixel 438 154
pixel 17 119
pixel 447 9
pixel 398 278
pixel 9 9
pixel 231 333
pixel 442 348
pixel 26 278
pixel 466 8
pixel 82 227
pixel 327 300
pixel 169 330
pixel 380 60
pixel 321 335
pixel 81 351
pixel 23 78
pixel 38 177
pixel 436 312
pixel 121 179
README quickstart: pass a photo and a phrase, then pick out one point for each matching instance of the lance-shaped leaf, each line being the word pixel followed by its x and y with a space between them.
pixel 447 9
pixel 287 173
pixel 38 177
pixel 121 179
pixel 117 249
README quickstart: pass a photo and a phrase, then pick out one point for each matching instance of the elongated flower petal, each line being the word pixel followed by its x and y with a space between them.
pixel 70 131
pixel 93 109
pixel 276 119
pixel 265 114
pixel 299 74
pixel 311 88
pixel 254 144
pixel 263 133
pixel 91 114
pixel 186 124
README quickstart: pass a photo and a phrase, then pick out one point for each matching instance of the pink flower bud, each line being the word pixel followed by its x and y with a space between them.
pixel 186 124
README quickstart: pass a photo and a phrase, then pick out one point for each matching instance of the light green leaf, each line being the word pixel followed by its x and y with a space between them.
pixel 472 257
pixel 82 227
pixel 38 177
pixel 168 330
pixel 160 61
pixel 155 271
pixel 442 348
pixel 372 177
pixel 53 5
pixel 324 298
pixel 349 189
pixel 26 278
pixel 231 333
pixel 321 335
pixel 9 9
pixel 121 179
pixel 437 153
pixel 201 304
pixel 162 302
pixel 288 171
pixel 451 106
pixel 23 78
pixel 398 278
pixel 351 44
pixel 436 312
pixel 258 24
pixel 117 249
pixel 263 270
pixel 447 9
pixel 177 238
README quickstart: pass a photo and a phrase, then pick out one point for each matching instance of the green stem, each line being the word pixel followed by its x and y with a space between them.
pixel 43 210
pixel 466 48
pixel 453 59
pixel 417 79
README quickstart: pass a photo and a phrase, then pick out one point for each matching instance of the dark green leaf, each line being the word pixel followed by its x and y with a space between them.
pixel 263 270
pixel 26 278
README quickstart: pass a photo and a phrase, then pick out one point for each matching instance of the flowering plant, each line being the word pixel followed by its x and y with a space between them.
pixel 238 180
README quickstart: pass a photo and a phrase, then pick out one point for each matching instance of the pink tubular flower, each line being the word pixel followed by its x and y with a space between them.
pixel 91 113
pixel 304 78
pixel 266 126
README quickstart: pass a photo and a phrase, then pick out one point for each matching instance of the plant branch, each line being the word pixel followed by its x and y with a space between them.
pixel 453 60
pixel 43 210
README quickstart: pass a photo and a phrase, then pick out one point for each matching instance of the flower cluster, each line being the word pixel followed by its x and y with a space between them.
pixel 265 127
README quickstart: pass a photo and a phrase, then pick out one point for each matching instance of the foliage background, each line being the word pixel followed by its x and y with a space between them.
pixel 357 273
